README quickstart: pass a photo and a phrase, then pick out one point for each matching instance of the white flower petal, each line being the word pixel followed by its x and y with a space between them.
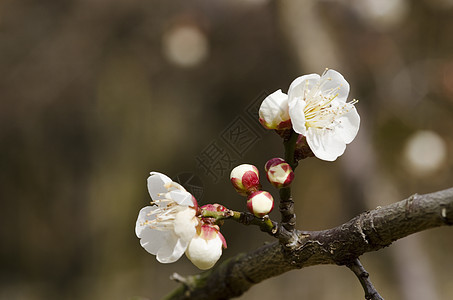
pixel 334 81
pixel 176 186
pixel 172 249
pixel 348 125
pixel 161 176
pixel 156 184
pixel 143 216
pixel 296 112
pixel 152 240
pixel 185 223
pixel 325 144
pixel 302 85
pixel 166 229
pixel 204 253
pixel 274 110
pixel 182 197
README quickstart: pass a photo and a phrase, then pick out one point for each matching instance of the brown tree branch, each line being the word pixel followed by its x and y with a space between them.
pixel 370 292
pixel 369 231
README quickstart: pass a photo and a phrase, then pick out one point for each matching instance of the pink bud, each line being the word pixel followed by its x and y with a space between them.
pixel 245 179
pixel 260 203
pixel 272 162
pixel 279 173
pixel 214 207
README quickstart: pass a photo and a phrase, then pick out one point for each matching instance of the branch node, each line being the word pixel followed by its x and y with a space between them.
pixel 444 216
pixel 410 201
pixel 360 229
pixel 365 274
pixel 179 279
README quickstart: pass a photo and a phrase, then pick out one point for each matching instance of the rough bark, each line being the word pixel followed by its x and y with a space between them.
pixel 370 291
pixel 369 231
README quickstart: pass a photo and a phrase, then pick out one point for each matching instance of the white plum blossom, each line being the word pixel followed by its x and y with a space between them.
pixel 319 111
pixel 205 248
pixel 316 108
pixel 166 228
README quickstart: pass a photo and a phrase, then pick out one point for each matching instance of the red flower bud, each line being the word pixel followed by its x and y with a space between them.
pixel 245 179
pixel 260 203
pixel 279 173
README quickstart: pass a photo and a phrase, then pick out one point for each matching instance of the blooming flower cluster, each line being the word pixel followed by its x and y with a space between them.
pixel 172 226
pixel 316 108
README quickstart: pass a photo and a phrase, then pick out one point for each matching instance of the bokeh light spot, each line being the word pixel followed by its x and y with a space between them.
pixel 185 45
pixel 425 152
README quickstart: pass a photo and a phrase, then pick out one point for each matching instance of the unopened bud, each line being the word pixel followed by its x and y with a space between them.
pixel 272 162
pixel 205 248
pixel 274 111
pixel 260 203
pixel 245 179
pixel 279 172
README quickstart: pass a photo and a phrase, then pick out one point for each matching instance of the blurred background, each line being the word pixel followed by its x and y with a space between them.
pixel 95 94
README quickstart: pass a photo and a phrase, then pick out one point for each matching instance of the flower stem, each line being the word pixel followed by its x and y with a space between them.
pixel 286 208
pixel 286 202
pixel 290 147
pixel 264 223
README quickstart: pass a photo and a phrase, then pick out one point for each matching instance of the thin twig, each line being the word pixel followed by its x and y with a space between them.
pixel 370 291
pixel 286 208
pixel 286 201
pixel 264 223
